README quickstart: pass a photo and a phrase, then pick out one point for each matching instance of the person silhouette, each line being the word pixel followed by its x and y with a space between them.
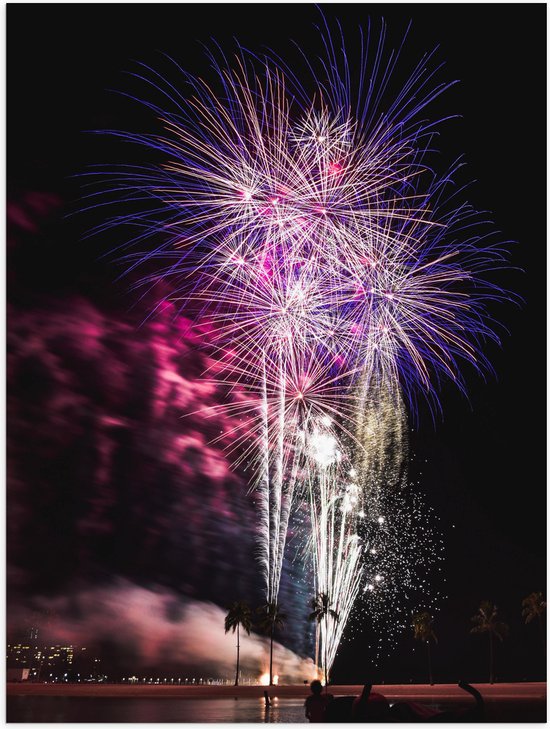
pixel 316 704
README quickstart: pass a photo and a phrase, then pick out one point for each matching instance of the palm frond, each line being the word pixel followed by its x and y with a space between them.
pixel 239 614
pixel 486 620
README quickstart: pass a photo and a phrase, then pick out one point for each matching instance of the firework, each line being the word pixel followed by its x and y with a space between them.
pixel 338 277
pixel 334 498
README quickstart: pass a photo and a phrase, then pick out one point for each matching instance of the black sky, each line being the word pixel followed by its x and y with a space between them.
pixel 482 465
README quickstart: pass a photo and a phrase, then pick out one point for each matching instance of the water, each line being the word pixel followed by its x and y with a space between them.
pixel 31 709
pixel 102 709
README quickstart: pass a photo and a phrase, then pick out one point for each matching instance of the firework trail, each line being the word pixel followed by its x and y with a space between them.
pixel 334 497
pixel 350 541
pixel 338 274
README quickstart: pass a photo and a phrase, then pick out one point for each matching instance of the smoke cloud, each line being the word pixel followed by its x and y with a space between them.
pixel 156 630
pixel 118 475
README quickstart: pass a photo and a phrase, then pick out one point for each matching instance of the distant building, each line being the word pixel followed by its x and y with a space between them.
pixel 17 674
pixel 50 662
pixel 22 655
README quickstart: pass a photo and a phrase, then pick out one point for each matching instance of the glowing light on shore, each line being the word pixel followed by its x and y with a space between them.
pixel 264 679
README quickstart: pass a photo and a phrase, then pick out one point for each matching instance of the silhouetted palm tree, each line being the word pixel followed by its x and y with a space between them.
pixel 239 614
pixel 486 620
pixel 534 606
pixel 320 611
pixel 271 618
pixel 422 628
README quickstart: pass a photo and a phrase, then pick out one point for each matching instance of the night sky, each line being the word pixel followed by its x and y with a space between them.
pixel 125 527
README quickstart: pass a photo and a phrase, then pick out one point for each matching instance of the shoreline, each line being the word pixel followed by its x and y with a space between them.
pixel 532 692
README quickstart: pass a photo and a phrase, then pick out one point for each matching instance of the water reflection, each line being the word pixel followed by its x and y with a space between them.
pixel 63 709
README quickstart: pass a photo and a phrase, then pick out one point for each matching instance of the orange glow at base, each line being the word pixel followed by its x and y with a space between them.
pixel 264 679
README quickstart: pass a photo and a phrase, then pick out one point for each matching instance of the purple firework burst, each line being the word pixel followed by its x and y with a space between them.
pixel 301 217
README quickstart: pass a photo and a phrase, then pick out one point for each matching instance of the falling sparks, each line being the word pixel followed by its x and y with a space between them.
pixel 402 556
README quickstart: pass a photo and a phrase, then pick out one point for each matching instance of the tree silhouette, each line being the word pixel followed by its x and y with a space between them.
pixel 271 618
pixel 422 628
pixel 320 611
pixel 486 620
pixel 534 606
pixel 239 614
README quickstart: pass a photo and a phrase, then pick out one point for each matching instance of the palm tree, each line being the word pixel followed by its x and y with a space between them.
pixel 239 614
pixel 534 606
pixel 486 620
pixel 272 618
pixel 423 631
pixel 320 611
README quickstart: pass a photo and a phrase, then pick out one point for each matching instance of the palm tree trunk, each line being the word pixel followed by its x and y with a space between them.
pixel 491 677
pixel 542 635
pixel 271 659
pixel 238 651
pixel 429 663
pixel 326 641
pixel 317 644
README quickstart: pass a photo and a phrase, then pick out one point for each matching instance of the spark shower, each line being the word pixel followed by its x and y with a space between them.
pixel 299 216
